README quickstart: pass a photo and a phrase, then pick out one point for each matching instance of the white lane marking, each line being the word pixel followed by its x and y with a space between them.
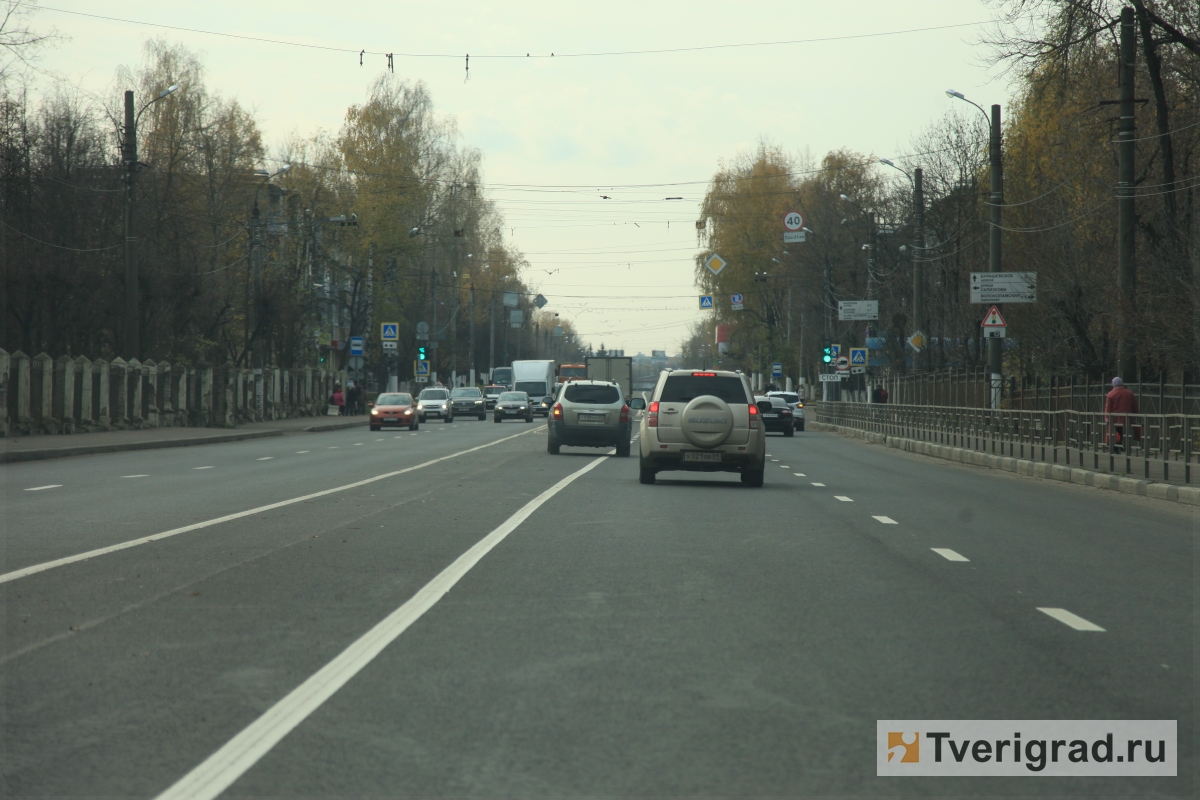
pixel 818 484
pixel 39 488
pixel 799 474
pixel 358 444
pixel 264 458
pixel 886 520
pixel 1067 618
pixel 784 466
pixel 774 460
pixel 299 452
pixel 332 447
pixel 380 440
pixel 59 562
pixel 201 467
pixel 843 498
pixel 135 476
pixel 948 554
pixel 217 772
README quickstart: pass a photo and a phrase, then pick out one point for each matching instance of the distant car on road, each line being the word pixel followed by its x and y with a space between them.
pixel 468 401
pixel 589 414
pixel 705 421
pixel 434 403
pixel 513 405
pixel 491 393
pixel 776 415
pixel 795 404
pixel 392 408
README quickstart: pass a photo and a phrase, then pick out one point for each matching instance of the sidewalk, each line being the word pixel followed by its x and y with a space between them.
pixel 37 448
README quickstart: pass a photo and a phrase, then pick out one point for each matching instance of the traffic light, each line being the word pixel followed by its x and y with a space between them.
pixel 828 356
pixel 421 353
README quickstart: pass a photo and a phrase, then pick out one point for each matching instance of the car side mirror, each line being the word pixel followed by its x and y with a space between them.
pixel 370 405
pixel 764 407
pixel 637 404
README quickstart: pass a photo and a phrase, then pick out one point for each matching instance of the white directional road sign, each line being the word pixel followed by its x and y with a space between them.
pixel 735 302
pixel 858 356
pixel 1003 287
pixel 858 309
pixel 706 301
pixel 715 264
pixel 389 331
pixel 858 370
pixel 793 221
pixel 829 377
pixel 390 345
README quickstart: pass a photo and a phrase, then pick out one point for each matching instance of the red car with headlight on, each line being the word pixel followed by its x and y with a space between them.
pixel 393 408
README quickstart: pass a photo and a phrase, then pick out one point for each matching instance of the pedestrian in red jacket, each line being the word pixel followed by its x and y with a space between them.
pixel 1119 402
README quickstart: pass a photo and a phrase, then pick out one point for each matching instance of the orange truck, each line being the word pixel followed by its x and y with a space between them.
pixel 572 372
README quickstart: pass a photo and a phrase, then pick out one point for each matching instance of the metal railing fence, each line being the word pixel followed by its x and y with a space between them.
pixel 1162 447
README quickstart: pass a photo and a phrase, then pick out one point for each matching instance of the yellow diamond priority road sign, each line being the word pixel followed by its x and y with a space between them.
pixel 715 264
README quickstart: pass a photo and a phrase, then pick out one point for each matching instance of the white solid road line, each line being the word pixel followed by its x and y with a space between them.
pixel 886 520
pixel 217 772
pixel 1067 618
pixel 818 484
pixel 201 467
pixel 843 498
pixel 39 488
pixel 59 562
pixel 949 554
pixel 264 458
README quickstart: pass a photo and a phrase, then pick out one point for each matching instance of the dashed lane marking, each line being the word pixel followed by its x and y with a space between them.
pixel 358 444
pixel 886 520
pixel 843 498
pixel 100 551
pixel 1073 620
pixel 40 488
pixel 300 452
pixel 135 476
pixel 784 466
pixel 799 474
pixel 818 484
pixel 221 769
pixel 264 458
pixel 949 554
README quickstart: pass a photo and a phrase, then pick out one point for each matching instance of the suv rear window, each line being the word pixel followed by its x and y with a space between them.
pixel 685 388
pixel 577 393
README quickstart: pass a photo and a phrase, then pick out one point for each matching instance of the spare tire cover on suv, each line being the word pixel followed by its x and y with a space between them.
pixel 707 421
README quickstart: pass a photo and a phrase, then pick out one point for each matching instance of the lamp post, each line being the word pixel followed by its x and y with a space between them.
pixel 259 317
pixel 132 343
pixel 918 267
pixel 996 203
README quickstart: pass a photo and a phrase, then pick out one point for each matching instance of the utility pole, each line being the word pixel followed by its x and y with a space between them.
pixel 827 302
pixel 1126 265
pixel 918 265
pixel 471 348
pixel 995 355
pixel 256 336
pixel 454 332
pixel 434 345
pixel 132 344
pixel 492 337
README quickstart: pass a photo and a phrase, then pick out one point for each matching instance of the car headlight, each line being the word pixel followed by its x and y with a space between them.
pixel 408 411
pixel 420 405
pixel 477 402
pixel 374 410
pixel 522 408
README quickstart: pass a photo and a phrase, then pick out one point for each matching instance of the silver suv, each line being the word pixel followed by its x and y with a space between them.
pixel 589 414
pixel 703 421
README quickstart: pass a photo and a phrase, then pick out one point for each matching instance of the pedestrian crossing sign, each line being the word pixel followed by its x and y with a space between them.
pixel 390 331
pixel 422 370
pixel 858 356
pixel 706 301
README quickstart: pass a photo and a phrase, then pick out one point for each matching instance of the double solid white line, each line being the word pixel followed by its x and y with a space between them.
pixel 217 772
pixel 100 551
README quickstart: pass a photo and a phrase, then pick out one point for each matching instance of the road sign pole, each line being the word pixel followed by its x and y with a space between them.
pixel 918 265
pixel 995 354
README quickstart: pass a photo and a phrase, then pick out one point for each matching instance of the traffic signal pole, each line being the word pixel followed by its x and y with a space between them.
pixel 995 355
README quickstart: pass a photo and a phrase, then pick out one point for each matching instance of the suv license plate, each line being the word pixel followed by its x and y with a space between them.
pixel 591 418
pixel 703 457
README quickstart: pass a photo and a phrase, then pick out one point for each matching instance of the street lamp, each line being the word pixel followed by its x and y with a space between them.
pixel 259 317
pixel 996 204
pixel 918 267
pixel 132 345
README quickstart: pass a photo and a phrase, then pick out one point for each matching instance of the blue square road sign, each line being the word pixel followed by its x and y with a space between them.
pixel 389 331
pixel 706 301
pixel 858 356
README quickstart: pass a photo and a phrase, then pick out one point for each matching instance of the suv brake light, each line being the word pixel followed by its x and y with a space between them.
pixel 753 416
pixel 704 374
pixel 652 415
pixel 558 411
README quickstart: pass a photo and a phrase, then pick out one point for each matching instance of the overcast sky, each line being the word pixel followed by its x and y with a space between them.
pixel 620 268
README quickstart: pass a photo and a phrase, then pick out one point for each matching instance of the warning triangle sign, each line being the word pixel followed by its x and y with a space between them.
pixel 993 319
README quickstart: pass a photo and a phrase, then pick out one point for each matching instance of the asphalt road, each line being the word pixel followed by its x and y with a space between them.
pixel 694 637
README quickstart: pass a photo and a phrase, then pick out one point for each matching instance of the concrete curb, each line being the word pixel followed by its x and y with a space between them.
pixel 337 426
pixel 1188 495
pixel 18 456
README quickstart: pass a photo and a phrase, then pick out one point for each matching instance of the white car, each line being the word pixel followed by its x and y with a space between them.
pixel 434 403
pixel 795 404
pixel 704 421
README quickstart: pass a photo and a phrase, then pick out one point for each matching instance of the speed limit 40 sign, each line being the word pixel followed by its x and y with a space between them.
pixel 793 221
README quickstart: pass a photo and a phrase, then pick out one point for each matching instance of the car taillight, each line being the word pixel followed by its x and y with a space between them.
pixel 624 414
pixel 558 410
pixel 652 415
pixel 787 412
pixel 753 417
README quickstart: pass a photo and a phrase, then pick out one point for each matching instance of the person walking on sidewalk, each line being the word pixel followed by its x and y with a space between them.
pixel 1117 403
pixel 354 401
pixel 339 400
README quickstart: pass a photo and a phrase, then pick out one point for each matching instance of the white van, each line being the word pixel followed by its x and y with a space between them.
pixel 536 379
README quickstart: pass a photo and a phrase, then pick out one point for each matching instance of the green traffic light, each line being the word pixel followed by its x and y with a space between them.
pixel 828 358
